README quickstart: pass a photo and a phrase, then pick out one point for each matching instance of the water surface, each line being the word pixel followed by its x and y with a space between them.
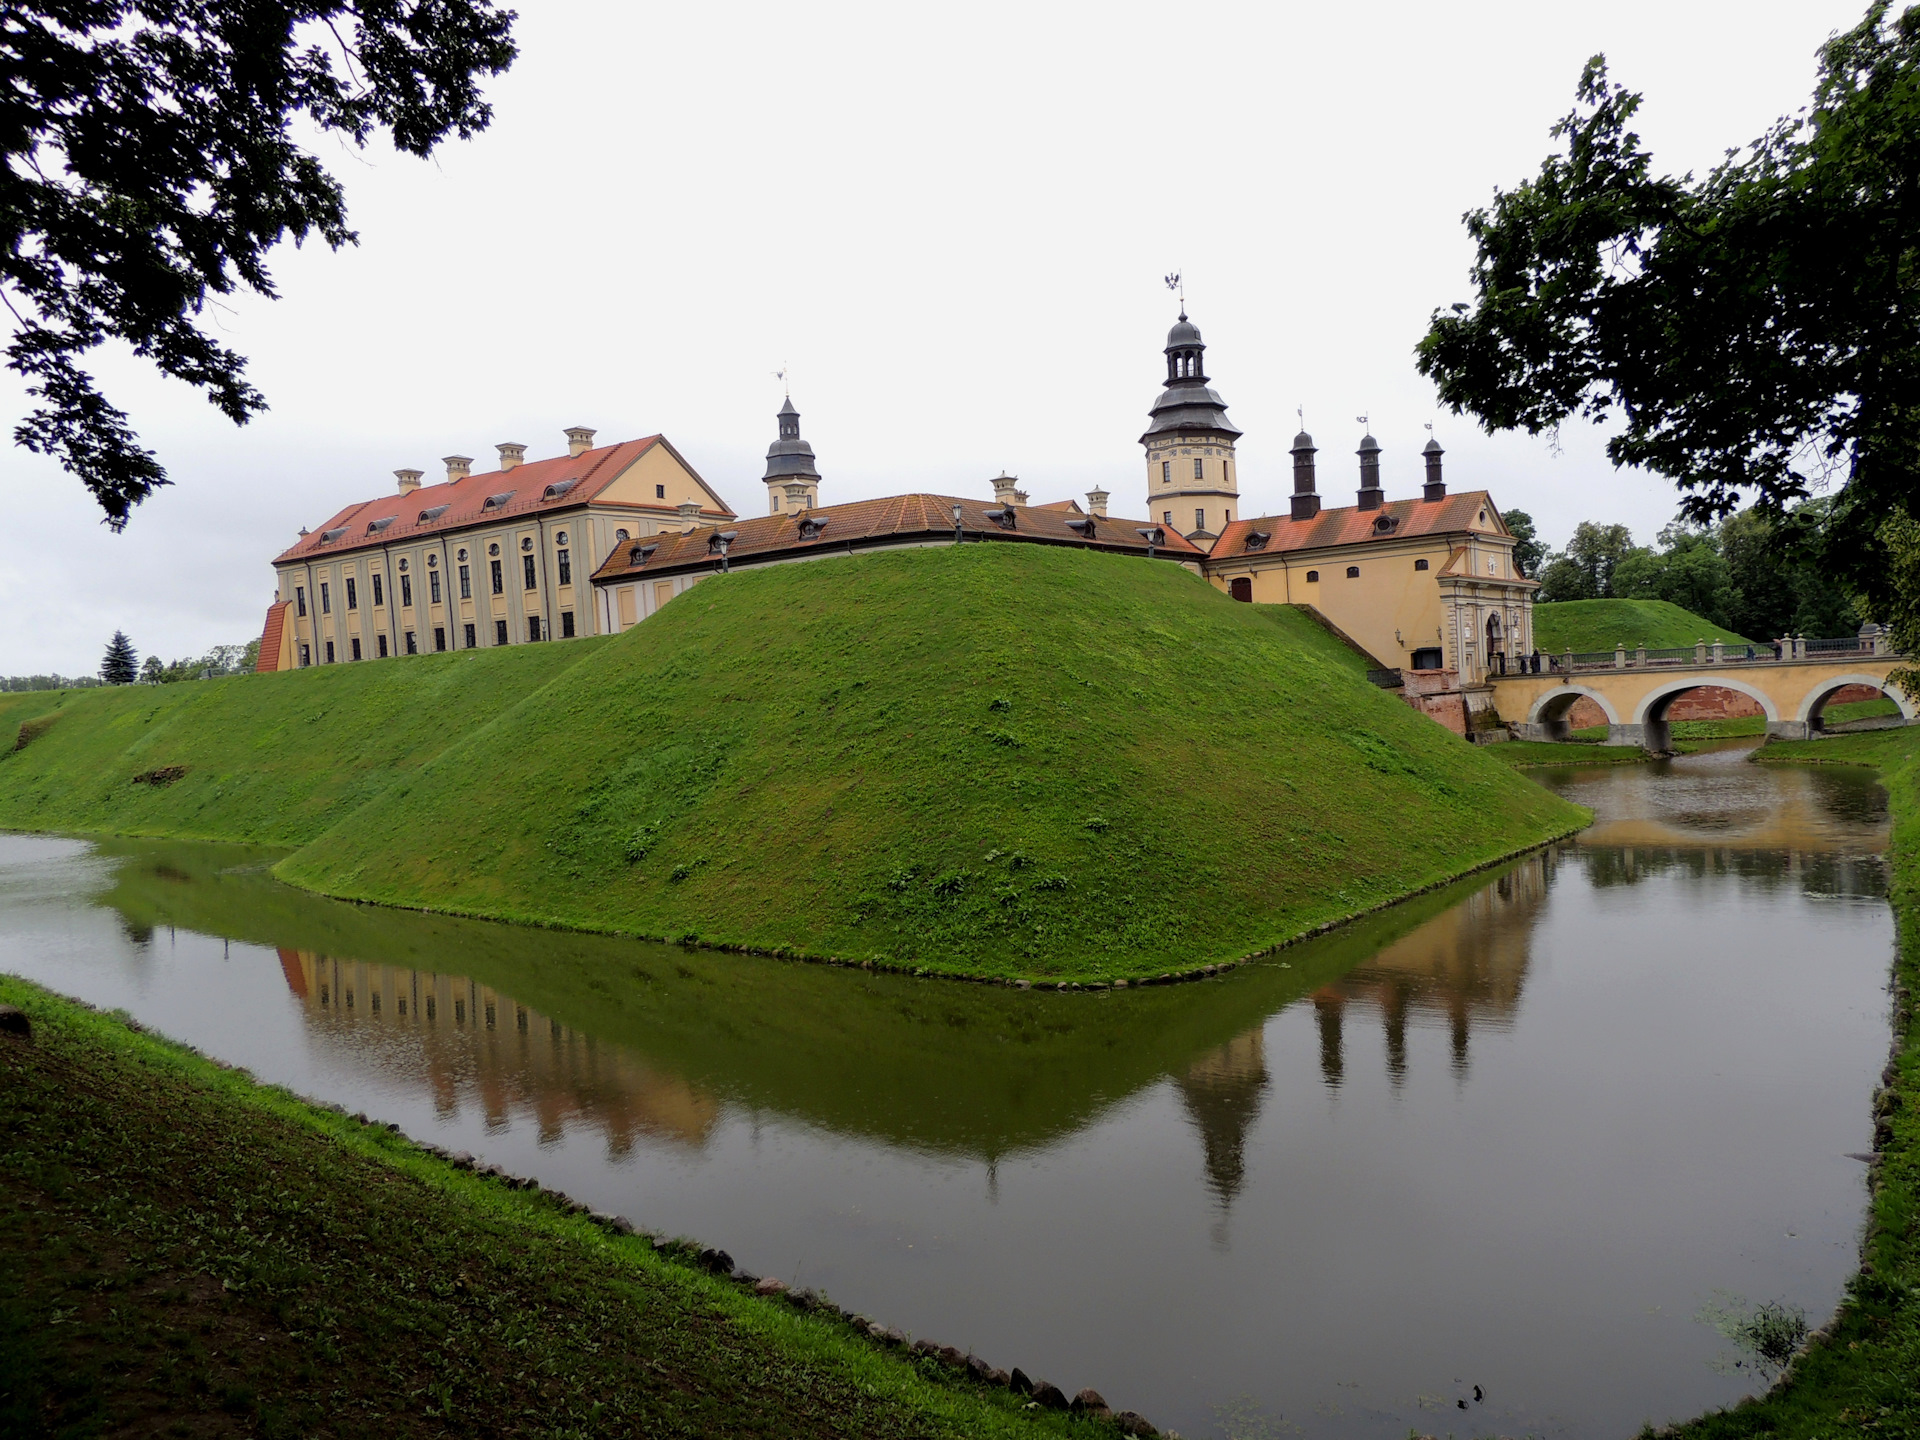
pixel 1515 1134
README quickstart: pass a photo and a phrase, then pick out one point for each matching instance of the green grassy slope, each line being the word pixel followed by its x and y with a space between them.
pixel 185 1252
pixel 1589 625
pixel 995 759
pixel 1863 1376
pixel 271 758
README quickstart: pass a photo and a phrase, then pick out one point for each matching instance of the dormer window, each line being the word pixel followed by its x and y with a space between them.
pixel 1003 517
pixel 327 537
pixel 1257 539
pixel 1385 525
pixel 374 527
pixel 558 488
pixel 718 542
pixel 1083 524
pixel 811 526
pixel 495 502
pixel 432 513
pixel 640 554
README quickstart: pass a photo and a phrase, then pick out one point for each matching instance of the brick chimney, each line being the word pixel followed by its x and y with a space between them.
pixel 409 480
pixel 458 467
pixel 579 439
pixel 511 455
pixel 1436 484
pixel 1371 496
pixel 1306 504
pixel 690 514
pixel 1097 504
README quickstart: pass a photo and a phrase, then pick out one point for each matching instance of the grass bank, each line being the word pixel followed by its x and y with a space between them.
pixel 1862 1377
pixel 183 1251
pixel 990 760
pixel 1590 625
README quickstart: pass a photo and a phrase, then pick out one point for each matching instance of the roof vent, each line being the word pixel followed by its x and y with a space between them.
pixel 1003 517
pixel 559 488
pixel 409 480
pixel 374 527
pixel 1257 539
pixel 812 525
pixel 327 537
pixel 494 502
pixel 579 439
pixel 431 513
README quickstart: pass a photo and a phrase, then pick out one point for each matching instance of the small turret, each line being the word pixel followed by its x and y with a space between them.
pixel 790 459
pixel 1306 504
pixel 1436 488
pixel 1371 496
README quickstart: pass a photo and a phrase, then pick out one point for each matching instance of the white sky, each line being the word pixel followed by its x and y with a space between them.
pixel 950 221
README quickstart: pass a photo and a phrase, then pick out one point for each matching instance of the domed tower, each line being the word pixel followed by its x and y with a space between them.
pixel 1192 484
pixel 792 482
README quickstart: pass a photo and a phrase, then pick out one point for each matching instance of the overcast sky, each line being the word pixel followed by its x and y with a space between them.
pixel 951 222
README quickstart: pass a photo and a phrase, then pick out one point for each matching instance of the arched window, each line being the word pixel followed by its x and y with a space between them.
pixel 1493 634
pixel 1419 564
pixel 1313 577
pixel 1353 572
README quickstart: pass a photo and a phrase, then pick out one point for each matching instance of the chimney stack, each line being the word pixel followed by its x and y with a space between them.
pixel 1371 496
pixel 511 455
pixel 409 480
pixel 1097 504
pixel 579 439
pixel 1436 485
pixel 796 495
pixel 690 514
pixel 458 467
pixel 1003 488
pixel 1306 504
pixel 1019 497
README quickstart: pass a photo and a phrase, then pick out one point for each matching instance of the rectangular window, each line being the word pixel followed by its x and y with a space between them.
pixel 413 645
pixel 379 595
pixel 659 492
pixel 566 567
pixel 406 590
pixel 566 624
pixel 383 647
pixel 466 583
pixel 499 585
pixel 433 586
pixel 353 647
pixel 469 637
pixel 439 638
pixel 1168 520
pixel 300 599
pixel 1166 472
pixel 353 595
pixel 1199 469
pixel 306 655
pixel 1199 519
pixel 329 652
pixel 326 599
pixel 533 627
pixel 499 632
pixel 526 568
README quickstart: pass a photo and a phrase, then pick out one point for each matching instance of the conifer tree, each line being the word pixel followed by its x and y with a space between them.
pixel 121 664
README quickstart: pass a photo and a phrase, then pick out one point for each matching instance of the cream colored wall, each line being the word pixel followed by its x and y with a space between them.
pixel 1217 492
pixel 658 467
pixel 1391 610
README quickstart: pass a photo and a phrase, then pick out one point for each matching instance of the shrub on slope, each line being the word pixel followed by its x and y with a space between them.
pixel 270 758
pixel 993 758
pixel 1590 625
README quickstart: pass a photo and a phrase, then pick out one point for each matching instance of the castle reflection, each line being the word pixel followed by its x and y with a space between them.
pixel 466 1043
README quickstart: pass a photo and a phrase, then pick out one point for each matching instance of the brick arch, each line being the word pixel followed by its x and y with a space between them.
pixel 1554 705
pixel 1817 697
pixel 1653 705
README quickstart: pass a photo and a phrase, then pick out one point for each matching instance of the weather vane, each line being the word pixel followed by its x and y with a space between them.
pixel 781 376
pixel 1360 420
pixel 1175 283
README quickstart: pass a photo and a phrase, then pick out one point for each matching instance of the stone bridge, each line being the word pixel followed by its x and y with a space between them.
pixel 1635 689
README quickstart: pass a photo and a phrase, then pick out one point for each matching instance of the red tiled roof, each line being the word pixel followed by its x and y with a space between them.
pixel 873 521
pixel 593 471
pixel 269 656
pixel 1350 525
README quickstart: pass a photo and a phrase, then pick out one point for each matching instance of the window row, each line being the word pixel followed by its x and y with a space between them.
pixel 411 642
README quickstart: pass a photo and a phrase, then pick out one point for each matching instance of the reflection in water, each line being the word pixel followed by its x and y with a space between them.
pixel 449 1034
pixel 1491 1134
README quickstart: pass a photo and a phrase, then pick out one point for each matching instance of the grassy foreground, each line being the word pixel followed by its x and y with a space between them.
pixel 1862 1377
pixel 1590 625
pixel 993 760
pixel 183 1251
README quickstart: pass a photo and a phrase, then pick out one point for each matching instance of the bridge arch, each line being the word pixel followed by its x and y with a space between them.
pixel 1652 708
pixel 1548 714
pixel 1817 698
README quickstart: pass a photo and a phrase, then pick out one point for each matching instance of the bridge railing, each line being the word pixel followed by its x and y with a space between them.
pixel 1787 649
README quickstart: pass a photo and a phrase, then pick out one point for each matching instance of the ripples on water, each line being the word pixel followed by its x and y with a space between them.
pixel 1514 1135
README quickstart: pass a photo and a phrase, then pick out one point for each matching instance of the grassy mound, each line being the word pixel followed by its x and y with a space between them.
pixel 189 1253
pixel 991 759
pixel 1590 625
pixel 269 758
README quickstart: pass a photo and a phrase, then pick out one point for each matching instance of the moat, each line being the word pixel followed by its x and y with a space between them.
pixel 1517 1137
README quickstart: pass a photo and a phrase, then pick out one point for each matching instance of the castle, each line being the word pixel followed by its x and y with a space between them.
pixel 597 540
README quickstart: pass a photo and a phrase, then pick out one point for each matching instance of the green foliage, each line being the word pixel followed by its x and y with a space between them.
pixel 154 158
pixel 1587 626
pixel 1529 550
pixel 121 664
pixel 181 1245
pixel 1754 333
pixel 1584 571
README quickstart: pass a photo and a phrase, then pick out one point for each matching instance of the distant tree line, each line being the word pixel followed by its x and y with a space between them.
pixel 1734 573
pixel 122 666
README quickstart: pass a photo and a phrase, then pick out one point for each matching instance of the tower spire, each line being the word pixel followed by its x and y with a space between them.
pixel 790 469
pixel 1191 484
